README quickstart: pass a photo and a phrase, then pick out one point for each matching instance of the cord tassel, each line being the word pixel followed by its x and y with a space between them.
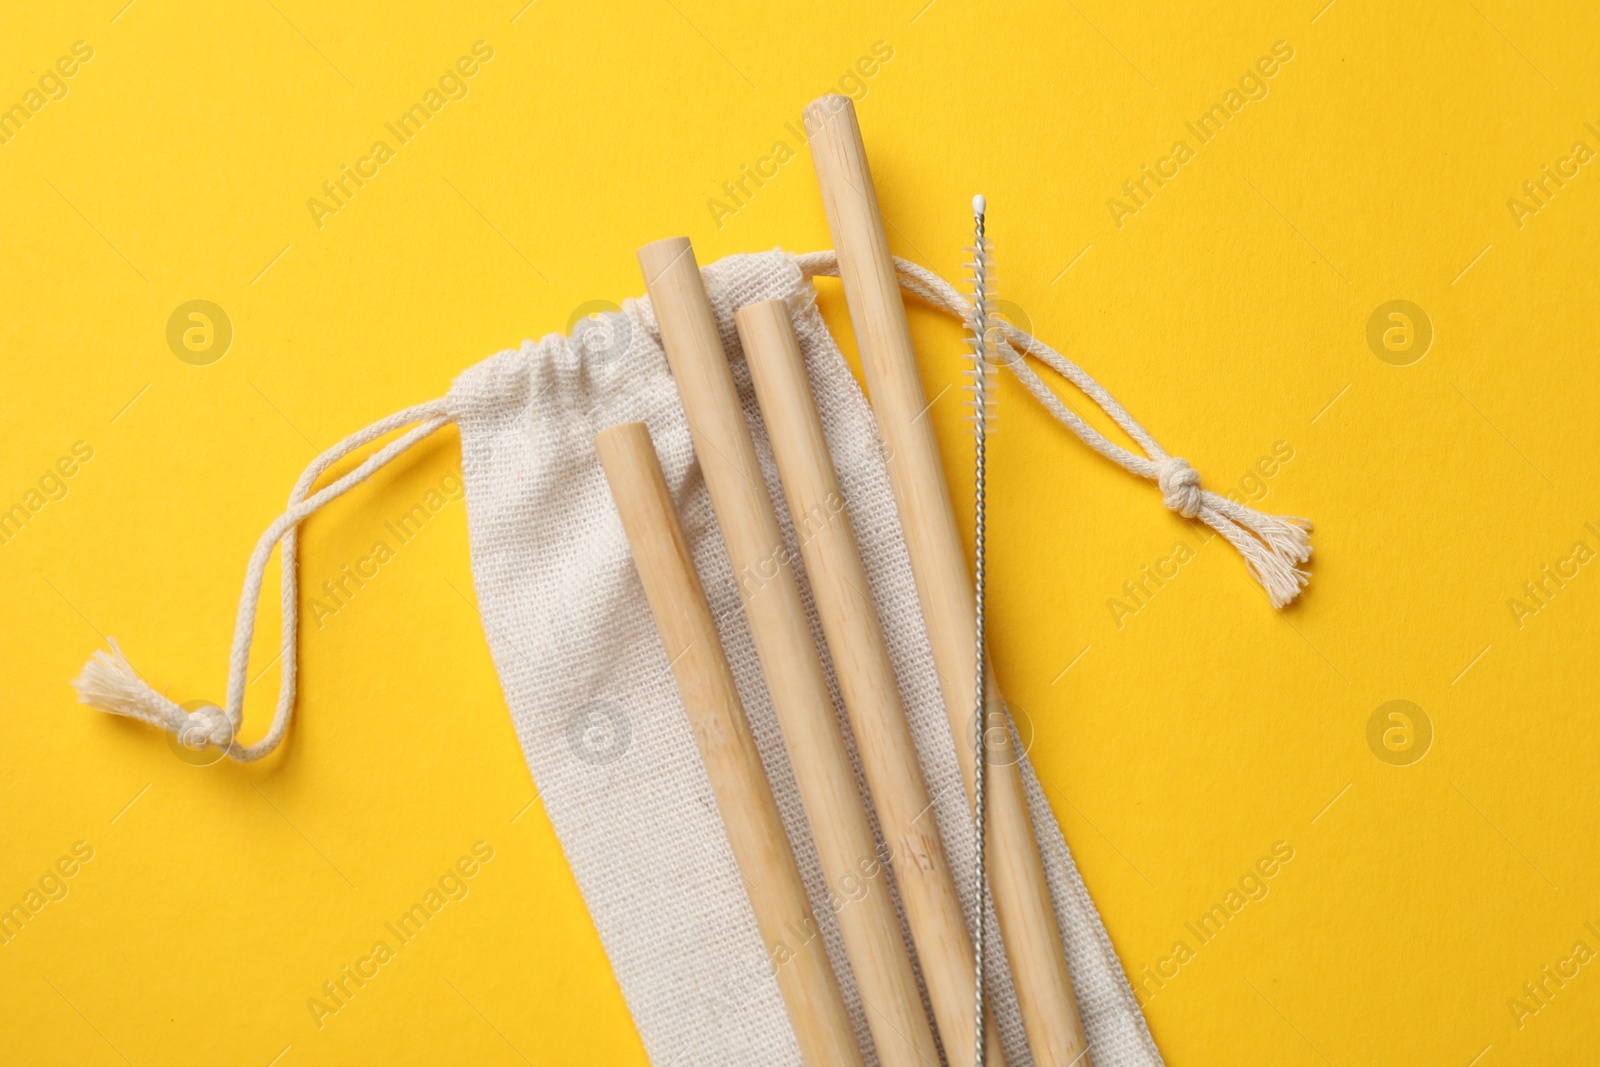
pixel 109 683
pixel 1273 546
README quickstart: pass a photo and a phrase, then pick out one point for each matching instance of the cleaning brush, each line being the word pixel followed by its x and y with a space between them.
pixel 982 393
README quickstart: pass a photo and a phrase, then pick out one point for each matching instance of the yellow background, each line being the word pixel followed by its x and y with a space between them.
pixel 1229 314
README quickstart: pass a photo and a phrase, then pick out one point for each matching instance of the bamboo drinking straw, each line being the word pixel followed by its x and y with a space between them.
pixel 733 765
pixel 866 677
pixel 763 569
pixel 944 585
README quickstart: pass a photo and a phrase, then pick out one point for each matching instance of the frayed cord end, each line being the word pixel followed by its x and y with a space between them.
pixel 1274 565
pixel 109 683
pixel 1273 546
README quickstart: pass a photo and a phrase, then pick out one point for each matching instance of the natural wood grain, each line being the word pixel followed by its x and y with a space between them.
pixel 866 676
pixel 721 732
pixel 763 569
pixel 944 584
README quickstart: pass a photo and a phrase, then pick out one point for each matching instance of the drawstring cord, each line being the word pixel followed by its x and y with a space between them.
pixel 1273 546
pixel 110 683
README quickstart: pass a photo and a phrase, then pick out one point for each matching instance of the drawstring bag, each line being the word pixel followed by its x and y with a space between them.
pixel 588 684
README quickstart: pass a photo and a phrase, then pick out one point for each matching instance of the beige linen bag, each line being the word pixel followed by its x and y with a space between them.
pixel 588 685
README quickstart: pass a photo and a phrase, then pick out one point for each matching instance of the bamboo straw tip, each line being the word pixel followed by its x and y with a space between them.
pixel 821 111
pixel 657 257
pixel 754 313
pixel 622 435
